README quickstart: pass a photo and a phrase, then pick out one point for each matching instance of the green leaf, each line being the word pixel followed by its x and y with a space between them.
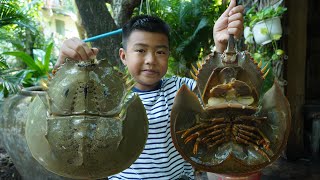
pixel 264 31
pixel 203 23
pixel 276 37
pixel 40 65
pixel 47 57
pixel 257 56
pixel 11 13
pixel 5 92
pixel 279 52
pixel 275 57
pixel 3 63
pixel 26 58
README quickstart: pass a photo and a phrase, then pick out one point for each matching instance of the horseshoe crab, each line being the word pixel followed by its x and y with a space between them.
pixel 86 127
pixel 230 126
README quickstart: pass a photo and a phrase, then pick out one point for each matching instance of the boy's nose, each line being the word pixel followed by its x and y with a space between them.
pixel 150 58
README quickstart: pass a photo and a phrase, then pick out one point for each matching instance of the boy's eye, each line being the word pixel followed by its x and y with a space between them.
pixel 140 50
pixel 161 52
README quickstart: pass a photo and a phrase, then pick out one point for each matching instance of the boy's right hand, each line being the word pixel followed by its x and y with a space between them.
pixel 76 49
pixel 230 22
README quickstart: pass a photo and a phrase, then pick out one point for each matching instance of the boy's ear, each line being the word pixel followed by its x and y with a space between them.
pixel 122 55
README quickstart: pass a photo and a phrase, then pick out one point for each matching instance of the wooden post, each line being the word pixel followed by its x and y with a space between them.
pixel 296 49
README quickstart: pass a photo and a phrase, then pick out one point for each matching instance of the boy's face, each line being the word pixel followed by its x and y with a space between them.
pixel 146 57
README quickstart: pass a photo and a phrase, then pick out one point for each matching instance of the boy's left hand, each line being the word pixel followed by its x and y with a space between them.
pixel 230 22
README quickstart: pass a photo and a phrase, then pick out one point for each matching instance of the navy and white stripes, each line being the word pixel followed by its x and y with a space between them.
pixel 159 159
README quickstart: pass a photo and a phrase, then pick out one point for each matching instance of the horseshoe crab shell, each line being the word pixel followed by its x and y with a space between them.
pixel 85 128
pixel 230 127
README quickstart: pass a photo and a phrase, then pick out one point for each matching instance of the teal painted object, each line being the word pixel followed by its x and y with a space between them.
pixel 111 33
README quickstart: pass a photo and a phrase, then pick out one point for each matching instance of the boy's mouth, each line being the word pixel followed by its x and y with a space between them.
pixel 149 71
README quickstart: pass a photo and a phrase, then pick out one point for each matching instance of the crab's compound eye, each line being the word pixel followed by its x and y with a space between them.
pixel 106 93
pixel 66 93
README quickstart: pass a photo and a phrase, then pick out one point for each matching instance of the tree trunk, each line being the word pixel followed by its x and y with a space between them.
pixel 96 19
pixel 123 10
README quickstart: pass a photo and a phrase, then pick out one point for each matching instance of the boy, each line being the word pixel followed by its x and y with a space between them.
pixel 145 52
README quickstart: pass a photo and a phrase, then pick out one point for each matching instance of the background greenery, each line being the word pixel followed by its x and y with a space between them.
pixel 26 54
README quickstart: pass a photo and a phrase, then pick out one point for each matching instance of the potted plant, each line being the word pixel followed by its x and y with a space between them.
pixel 262 38
pixel 265 23
pixel 268 27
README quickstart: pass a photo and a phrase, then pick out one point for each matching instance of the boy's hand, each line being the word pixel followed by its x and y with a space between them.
pixel 230 22
pixel 76 49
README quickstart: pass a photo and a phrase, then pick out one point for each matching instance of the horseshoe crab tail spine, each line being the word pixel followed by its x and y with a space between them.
pixel 264 68
pixel 199 65
pixel 193 76
pixel 260 64
pixel 194 69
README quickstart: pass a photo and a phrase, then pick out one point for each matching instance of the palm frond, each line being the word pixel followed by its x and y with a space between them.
pixel 3 64
pixel 11 81
pixel 192 39
pixel 10 13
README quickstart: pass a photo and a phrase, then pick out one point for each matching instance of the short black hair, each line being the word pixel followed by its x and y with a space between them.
pixel 144 23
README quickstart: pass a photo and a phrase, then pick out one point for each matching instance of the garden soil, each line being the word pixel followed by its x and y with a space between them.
pixel 7 168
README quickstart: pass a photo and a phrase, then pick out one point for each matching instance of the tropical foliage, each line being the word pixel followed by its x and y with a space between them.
pixel 37 68
pixel 22 45
pixel 253 15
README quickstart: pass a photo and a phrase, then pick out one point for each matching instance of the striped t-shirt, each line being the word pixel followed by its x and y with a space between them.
pixel 159 159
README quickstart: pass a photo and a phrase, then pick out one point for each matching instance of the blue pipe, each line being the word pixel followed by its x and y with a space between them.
pixel 94 38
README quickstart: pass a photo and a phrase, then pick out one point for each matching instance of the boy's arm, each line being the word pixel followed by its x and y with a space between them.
pixel 76 49
pixel 230 22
